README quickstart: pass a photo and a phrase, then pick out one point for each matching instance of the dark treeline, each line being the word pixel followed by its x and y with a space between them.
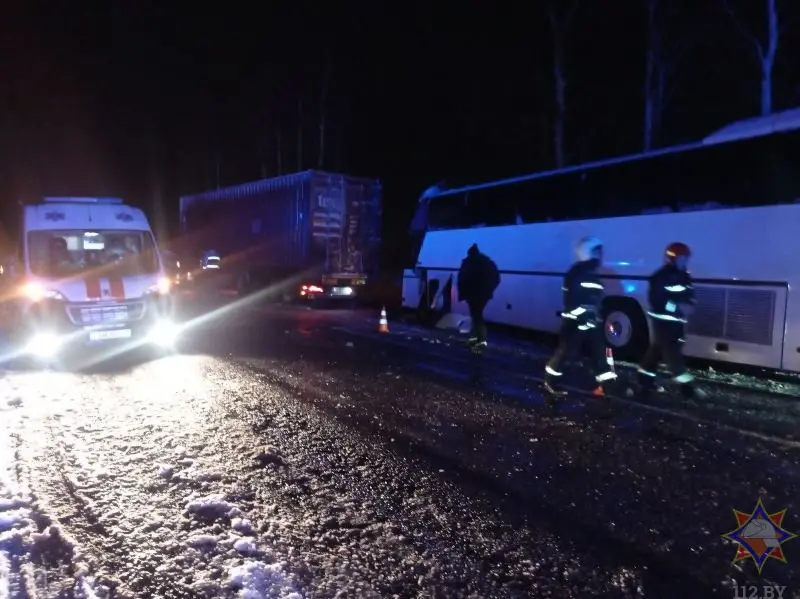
pixel 151 106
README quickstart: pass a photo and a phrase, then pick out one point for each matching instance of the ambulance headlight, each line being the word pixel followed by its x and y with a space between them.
pixel 44 345
pixel 162 287
pixel 164 334
pixel 37 292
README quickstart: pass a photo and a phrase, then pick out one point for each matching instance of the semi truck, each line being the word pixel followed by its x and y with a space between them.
pixel 308 235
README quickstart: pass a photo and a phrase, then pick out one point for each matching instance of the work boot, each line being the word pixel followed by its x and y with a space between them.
pixel 553 388
pixel 608 387
pixel 477 346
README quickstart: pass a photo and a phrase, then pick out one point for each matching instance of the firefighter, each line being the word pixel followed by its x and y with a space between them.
pixel 478 278
pixel 581 318
pixel 672 301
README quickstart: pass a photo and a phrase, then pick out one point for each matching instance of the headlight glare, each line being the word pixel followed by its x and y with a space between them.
pixel 163 286
pixel 44 345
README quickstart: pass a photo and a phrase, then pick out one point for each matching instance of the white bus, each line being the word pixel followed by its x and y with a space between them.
pixel 733 198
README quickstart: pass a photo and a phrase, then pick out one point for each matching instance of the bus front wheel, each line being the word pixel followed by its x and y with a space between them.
pixel 625 328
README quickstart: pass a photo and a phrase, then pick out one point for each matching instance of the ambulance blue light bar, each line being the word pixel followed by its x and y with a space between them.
pixel 71 200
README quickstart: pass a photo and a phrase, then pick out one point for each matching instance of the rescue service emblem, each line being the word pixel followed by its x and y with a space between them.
pixel 759 535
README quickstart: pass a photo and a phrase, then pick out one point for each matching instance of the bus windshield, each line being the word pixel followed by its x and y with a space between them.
pixel 109 253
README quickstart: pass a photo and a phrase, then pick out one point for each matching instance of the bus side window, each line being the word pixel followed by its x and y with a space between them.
pixel 726 174
pixel 493 206
pixel 784 172
pixel 607 190
pixel 659 178
pixel 447 212
pixel 694 186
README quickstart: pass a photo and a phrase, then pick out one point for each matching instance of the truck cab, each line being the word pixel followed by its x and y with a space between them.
pixel 89 273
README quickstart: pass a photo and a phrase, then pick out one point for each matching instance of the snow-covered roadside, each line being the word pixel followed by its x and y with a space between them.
pixel 132 470
pixel 16 525
pixel 20 535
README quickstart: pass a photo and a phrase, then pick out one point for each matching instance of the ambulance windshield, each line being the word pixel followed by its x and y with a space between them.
pixel 108 253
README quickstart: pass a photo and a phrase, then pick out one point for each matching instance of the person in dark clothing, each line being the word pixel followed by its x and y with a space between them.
pixel 581 318
pixel 478 278
pixel 672 301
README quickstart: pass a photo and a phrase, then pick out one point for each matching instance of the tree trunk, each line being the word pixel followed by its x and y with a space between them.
pixel 649 107
pixel 766 51
pixel 339 136
pixel 561 114
pixel 299 134
pixel 262 163
pixel 279 150
pixel 768 55
pixel 655 76
pixel 323 113
pixel 560 91
pixel 560 25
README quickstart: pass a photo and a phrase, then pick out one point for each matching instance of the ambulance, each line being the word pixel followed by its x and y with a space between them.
pixel 88 273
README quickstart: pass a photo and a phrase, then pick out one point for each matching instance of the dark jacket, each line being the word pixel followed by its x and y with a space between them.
pixel 583 293
pixel 478 277
pixel 670 288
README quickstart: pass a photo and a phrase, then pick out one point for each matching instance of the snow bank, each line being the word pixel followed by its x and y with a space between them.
pixel 5 576
pixel 212 506
pixel 252 580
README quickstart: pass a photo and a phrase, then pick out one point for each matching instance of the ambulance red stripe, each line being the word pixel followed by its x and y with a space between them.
pixel 93 288
pixel 117 289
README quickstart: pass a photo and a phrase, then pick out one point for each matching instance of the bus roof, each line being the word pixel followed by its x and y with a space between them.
pixel 788 120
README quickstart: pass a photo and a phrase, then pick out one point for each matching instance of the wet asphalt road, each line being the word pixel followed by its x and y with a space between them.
pixel 295 453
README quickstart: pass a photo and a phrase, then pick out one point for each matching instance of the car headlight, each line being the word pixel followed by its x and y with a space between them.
pixel 36 292
pixel 164 334
pixel 162 287
pixel 44 345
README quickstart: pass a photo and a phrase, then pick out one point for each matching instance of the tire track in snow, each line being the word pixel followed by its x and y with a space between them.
pixel 19 579
pixel 455 536
pixel 524 510
pixel 97 469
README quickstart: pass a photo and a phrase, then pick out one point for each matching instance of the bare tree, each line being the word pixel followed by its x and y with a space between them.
pixel 671 39
pixel 655 74
pixel 300 133
pixel 262 160
pixel 323 114
pixel 560 23
pixel 766 50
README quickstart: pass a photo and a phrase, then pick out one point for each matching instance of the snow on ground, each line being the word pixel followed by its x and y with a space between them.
pixel 20 535
pixel 133 476
pixel 5 576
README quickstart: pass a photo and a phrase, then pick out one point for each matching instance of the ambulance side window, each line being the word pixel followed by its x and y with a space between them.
pixel 149 255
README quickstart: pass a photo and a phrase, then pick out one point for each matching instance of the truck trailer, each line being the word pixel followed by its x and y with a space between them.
pixel 307 235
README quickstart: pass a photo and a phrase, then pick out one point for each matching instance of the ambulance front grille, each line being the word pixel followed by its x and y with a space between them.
pixel 105 314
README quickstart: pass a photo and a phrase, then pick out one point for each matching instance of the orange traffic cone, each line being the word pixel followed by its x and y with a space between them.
pixel 383 326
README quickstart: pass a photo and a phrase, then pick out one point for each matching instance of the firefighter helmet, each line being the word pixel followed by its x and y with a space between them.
pixel 676 249
pixel 587 246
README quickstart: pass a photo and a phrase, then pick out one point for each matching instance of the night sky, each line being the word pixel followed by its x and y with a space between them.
pixel 150 100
